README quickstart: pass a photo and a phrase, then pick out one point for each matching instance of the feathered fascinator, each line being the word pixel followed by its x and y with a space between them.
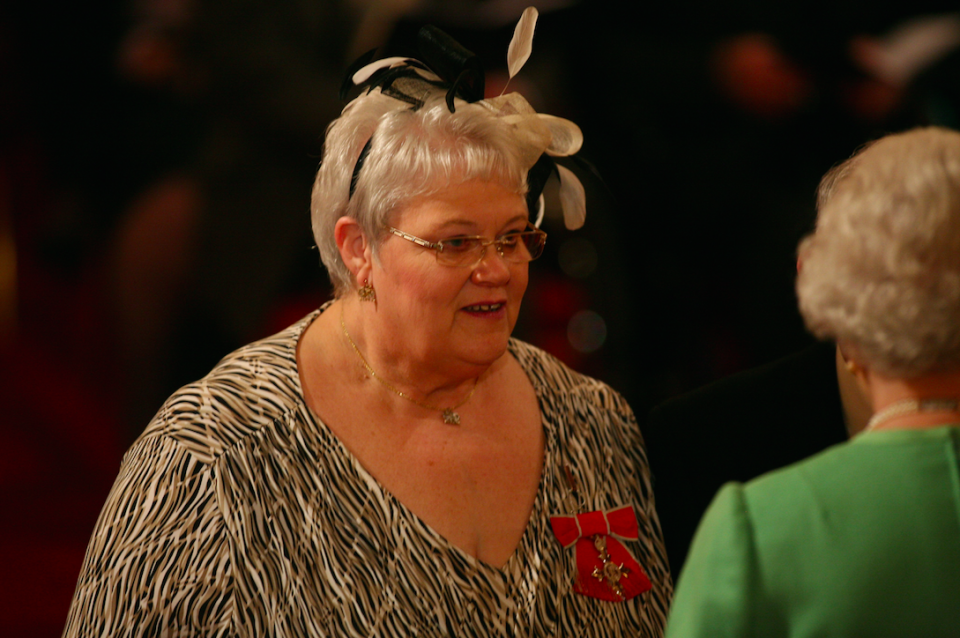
pixel 449 67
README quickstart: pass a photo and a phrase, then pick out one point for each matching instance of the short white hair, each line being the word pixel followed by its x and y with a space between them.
pixel 881 273
pixel 413 152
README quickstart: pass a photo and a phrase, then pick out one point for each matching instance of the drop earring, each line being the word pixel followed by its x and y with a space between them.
pixel 366 291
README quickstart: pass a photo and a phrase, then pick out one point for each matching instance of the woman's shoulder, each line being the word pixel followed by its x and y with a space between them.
pixel 887 460
pixel 813 531
pixel 254 387
pixel 552 377
pixel 847 484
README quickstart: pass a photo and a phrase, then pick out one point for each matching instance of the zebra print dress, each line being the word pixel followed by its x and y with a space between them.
pixel 238 513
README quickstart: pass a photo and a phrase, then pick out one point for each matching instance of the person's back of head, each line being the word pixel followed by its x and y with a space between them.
pixel 881 274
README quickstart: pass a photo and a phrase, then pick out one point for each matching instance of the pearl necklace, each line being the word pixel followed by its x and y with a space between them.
pixel 911 406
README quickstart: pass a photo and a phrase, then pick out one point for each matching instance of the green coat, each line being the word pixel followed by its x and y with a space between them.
pixel 862 539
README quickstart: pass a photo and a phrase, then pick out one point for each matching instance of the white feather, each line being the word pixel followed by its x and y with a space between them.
pixel 567 138
pixel 364 74
pixel 541 207
pixel 573 199
pixel 522 43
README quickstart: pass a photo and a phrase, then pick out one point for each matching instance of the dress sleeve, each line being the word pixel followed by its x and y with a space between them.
pixel 716 591
pixel 158 562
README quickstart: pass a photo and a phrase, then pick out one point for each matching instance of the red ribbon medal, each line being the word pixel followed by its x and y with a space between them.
pixel 606 569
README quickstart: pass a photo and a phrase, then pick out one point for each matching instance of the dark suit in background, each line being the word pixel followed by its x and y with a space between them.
pixel 735 429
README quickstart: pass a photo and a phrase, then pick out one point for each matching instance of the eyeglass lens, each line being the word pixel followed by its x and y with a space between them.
pixel 516 247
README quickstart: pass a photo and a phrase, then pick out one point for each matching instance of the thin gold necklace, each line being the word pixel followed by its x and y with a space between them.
pixel 450 415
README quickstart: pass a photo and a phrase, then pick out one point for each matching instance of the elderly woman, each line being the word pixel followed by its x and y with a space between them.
pixel 394 464
pixel 863 539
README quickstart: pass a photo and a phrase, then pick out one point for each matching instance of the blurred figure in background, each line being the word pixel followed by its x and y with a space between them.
pixel 216 241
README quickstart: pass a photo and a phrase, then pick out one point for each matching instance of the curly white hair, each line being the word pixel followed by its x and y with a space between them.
pixel 881 273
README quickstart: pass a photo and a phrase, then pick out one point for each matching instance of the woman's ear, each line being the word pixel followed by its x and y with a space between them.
pixel 855 367
pixel 354 247
pixel 855 396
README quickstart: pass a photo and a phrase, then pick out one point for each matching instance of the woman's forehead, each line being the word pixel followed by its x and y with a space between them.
pixel 473 203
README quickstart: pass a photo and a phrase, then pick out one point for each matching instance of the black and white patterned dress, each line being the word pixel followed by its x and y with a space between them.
pixel 238 513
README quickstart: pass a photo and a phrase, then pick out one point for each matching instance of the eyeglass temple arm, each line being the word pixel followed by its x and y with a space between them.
pixel 416 240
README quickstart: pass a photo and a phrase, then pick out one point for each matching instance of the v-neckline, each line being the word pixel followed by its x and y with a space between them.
pixel 367 477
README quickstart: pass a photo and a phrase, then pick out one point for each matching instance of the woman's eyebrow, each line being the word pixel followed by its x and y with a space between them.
pixel 456 222
pixel 465 221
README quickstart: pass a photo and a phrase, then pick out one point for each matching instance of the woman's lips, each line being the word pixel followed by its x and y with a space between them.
pixel 484 307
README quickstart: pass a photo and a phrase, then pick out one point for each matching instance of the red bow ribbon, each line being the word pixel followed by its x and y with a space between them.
pixel 606 569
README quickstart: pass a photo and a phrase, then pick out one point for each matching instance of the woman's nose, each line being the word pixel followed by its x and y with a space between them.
pixel 492 269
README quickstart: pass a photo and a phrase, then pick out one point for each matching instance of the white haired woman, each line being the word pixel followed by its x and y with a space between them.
pixel 395 464
pixel 862 539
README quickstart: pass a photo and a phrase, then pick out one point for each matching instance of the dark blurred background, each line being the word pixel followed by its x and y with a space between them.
pixel 156 160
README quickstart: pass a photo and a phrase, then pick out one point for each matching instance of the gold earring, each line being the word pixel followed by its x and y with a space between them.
pixel 366 292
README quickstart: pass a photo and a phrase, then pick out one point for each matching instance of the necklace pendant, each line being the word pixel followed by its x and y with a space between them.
pixel 450 417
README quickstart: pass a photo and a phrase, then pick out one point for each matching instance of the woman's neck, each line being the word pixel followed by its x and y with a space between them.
pixel 428 379
pixel 927 401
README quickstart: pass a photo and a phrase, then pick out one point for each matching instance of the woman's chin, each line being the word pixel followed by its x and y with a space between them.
pixel 485 351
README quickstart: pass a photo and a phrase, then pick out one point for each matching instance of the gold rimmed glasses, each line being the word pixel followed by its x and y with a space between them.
pixel 468 250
